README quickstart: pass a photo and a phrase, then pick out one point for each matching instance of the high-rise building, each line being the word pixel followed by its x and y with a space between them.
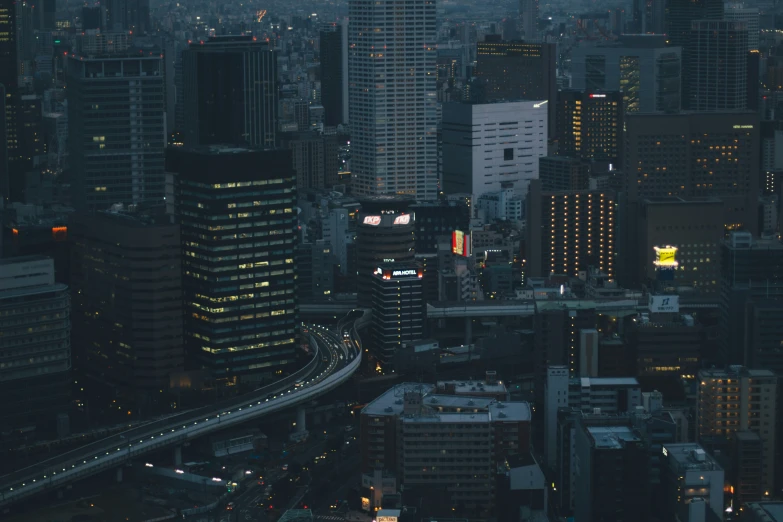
pixel 561 173
pixel 749 15
pixel 423 434
pixel 392 97
pixel 518 70
pixel 691 226
pixel 613 478
pixel 507 138
pixel 397 308
pixel 740 399
pixel 334 73
pixel 230 97
pixel 692 483
pixel 128 15
pixel 684 155
pixel 315 159
pixel 680 15
pixel 30 136
pixel 569 231
pixel 248 198
pixel 9 71
pixel 589 125
pixel 751 278
pixel 665 344
pixel 649 16
pixel 746 457
pixel 381 238
pixel 717 65
pixel 127 297
pixel 116 159
pixel 642 67
pixel 36 343
pixel 528 13
pixel 314 270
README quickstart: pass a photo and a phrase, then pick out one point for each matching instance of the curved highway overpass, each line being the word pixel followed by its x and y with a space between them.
pixel 336 358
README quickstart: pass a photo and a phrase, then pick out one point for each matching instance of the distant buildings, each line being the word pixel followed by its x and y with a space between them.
pixel 643 67
pixel 236 209
pixel 334 73
pixel 506 141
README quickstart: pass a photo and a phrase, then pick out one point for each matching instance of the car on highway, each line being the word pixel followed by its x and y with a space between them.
pixel 285 467
pixel 230 506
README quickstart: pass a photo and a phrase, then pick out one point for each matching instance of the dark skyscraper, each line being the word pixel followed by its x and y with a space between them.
pixel 717 58
pixel 681 13
pixel 128 15
pixel 230 96
pixel 519 70
pixel 116 129
pixel 333 73
pixel 237 217
pixel 8 80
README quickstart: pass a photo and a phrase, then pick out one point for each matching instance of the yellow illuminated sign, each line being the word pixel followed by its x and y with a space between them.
pixel 665 256
pixel 743 126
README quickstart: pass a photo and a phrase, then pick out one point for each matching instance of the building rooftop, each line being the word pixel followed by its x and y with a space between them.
pixel 690 456
pixel 591 382
pixel 734 371
pixel 458 401
pixel 391 402
pixel 765 511
pixel 611 437
pixel 475 386
pixel 22 259
pixel 450 418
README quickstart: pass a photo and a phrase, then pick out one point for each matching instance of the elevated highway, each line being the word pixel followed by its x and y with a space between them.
pixel 336 358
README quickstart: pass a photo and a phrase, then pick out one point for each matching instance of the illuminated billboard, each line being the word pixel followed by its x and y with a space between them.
pixel 665 257
pixel 403 219
pixel 460 243
pixel 372 220
pixel 387 273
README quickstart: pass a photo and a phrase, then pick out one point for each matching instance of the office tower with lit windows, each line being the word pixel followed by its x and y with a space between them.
pixel 589 125
pixel 397 302
pixel 334 73
pixel 230 92
pixel 570 230
pixel 382 238
pixel 694 227
pixel 740 399
pixel 116 159
pixel 696 155
pixel 717 65
pixel 507 138
pixel 392 97
pixel 238 227
pixel 126 283
pixel 528 14
pixel 518 70
pixel 642 67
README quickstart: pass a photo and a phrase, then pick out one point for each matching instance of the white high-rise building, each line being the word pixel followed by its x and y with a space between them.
pixel 749 15
pixel 507 139
pixel 392 97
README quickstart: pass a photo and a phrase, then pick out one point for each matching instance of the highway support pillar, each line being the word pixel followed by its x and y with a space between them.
pixel 468 330
pixel 119 474
pixel 178 456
